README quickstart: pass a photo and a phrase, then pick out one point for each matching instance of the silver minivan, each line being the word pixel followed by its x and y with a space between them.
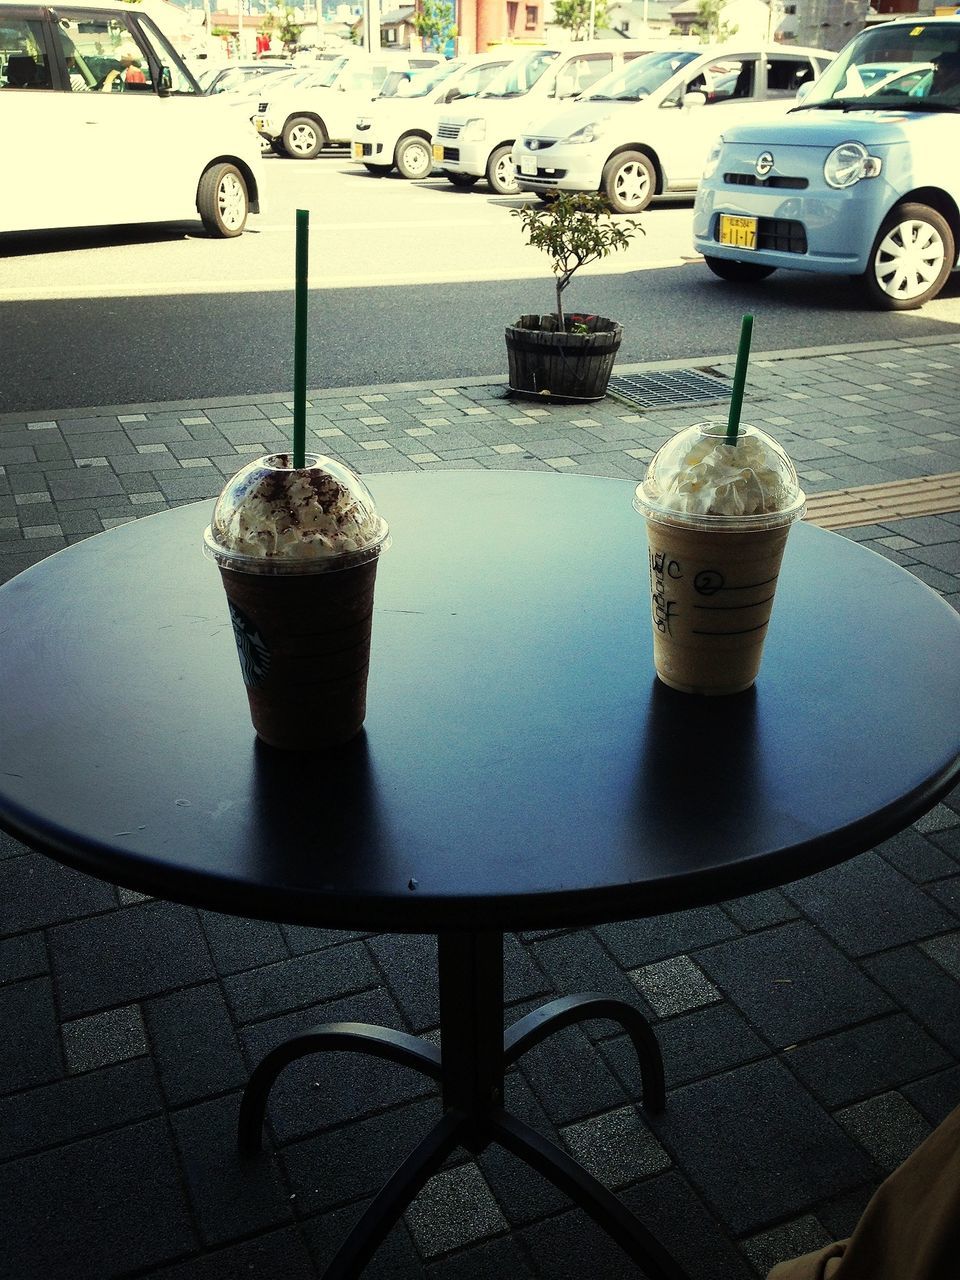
pixel 102 125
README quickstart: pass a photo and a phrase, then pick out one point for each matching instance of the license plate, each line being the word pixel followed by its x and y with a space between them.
pixel 358 151
pixel 739 232
pixel 258 123
pixel 438 153
pixel 528 166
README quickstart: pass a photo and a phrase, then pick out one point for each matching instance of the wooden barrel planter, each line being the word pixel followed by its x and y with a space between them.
pixel 550 363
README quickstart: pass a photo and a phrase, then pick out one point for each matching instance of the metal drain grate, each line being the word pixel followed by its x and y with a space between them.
pixel 662 390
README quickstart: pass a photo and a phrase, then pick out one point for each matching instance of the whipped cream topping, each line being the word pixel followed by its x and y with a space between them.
pixel 270 511
pixel 710 477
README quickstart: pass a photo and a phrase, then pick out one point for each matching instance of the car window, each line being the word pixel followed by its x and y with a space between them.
pixel 580 73
pixel 477 78
pixel 23 63
pixel 786 75
pixel 519 77
pixel 164 56
pixel 101 55
pixel 912 66
pixel 643 76
pixel 726 80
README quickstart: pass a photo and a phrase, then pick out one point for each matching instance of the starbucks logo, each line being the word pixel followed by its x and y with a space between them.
pixel 254 654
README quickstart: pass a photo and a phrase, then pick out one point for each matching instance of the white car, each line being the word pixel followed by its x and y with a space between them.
pixel 395 130
pixel 300 121
pixel 127 135
pixel 646 131
pixel 476 141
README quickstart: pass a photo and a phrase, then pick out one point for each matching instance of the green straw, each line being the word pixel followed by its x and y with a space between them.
pixel 739 379
pixel 300 342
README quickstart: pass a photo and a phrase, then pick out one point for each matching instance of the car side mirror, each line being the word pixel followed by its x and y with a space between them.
pixel 694 99
pixel 165 84
pixel 452 95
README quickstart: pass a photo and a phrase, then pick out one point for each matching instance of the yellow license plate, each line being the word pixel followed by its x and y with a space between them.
pixel 739 232
pixel 358 151
pixel 437 153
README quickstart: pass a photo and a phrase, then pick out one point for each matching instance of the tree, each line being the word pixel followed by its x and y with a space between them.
pixel 434 23
pixel 574 16
pixel 287 29
pixel 709 21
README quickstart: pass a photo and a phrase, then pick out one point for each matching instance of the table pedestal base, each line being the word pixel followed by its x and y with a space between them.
pixel 475 1052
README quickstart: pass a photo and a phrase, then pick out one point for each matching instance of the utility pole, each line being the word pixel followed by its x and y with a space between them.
pixel 371 25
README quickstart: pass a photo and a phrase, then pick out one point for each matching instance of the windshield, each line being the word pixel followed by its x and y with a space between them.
pixel 640 77
pixel 416 84
pixel 908 66
pixel 520 76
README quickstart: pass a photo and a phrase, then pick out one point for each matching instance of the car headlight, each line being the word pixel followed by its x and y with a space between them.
pixel 712 160
pixel 848 163
pixel 474 130
pixel 588 132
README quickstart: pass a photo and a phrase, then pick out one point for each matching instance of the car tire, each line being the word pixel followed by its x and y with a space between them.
pixel 629 182
pixel 911 258
pixel 738 272
pixel 223 201
pixel 500 174
pixel 303 138
pixel 414 159
pixel 462 180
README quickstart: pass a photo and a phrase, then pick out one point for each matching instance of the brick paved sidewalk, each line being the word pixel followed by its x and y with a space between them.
pixel 811 1034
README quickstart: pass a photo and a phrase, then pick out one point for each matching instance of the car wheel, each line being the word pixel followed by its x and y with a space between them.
pixel 222 200
pixel 462 180
pixel 303 138
pixel 738 272
pixel 629 182
pixel 500 173
pixel 911 258
pixel 413 158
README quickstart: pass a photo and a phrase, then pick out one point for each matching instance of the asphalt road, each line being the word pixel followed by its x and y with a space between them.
pixel 408 282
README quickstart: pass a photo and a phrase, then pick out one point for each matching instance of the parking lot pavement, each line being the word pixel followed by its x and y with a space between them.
pixel 811 1034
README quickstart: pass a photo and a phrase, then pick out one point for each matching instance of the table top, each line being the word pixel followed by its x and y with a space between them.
pixel 520 766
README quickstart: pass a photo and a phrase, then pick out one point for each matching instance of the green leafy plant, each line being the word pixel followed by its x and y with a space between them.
pixel 574 16
pixel 434 23
pixel 574 229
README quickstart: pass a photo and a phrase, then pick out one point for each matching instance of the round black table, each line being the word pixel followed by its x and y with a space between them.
pixel 520 768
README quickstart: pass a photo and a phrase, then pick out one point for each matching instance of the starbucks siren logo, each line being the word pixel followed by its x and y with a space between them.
pixel 254 654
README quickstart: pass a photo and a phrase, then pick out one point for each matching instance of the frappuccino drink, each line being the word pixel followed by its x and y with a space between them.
pixel 717 515
pixel 298 550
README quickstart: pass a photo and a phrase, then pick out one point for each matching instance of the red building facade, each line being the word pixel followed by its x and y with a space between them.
pixel 482 24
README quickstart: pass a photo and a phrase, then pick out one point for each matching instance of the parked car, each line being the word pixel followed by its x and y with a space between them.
pixel 645 131
pixel 127 135
pixel 301 121
pixel 858 179
pixel 224 79
pixel 477 141
pixel 394 130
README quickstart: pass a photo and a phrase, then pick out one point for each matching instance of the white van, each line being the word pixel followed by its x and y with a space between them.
pixel 301 120
pixel 104 125
pixel 476 141
pixel 395 130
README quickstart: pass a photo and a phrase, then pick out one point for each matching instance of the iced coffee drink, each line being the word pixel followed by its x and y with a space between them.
pixel 298 550
pixel 717 515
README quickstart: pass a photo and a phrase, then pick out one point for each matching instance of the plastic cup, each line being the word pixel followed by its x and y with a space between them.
pixel 717 518
pixel 300 590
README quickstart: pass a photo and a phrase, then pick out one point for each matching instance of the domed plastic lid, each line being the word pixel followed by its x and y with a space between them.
pixel 698 479
pixel 274 518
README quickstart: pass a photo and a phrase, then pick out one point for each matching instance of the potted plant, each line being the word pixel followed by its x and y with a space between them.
pixel 567 357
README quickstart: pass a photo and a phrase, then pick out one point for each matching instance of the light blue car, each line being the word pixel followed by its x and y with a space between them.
pixel 860 178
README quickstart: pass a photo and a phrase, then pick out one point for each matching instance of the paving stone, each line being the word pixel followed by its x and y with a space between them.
pixel 239 944
pixel 103 1206
pixel 637 942
pixel 299 982
pixel 577 962
pixel 863 1060
pixel 946 952
pixel 918 858
pixel 617 1147
pixel 760 910
pixel 276 1255
pixel 694 1045
pixel 936 1096
pixel 787 1153
pixel 522 1195
pixel 30 1046
pixel 502 1257
pixel 924 989
pixel 126 955
pixel 864 905
pixel 36 891
pixel 409 965
pixel 395 1259
pixel 53 1114
pixel 194 1044
pixel 570 1077
pixel 791 983
pixel 791 1240
pixel 303 938
pixel 230 1195
pixel 886 1126
pixel 455 1208
pixel 24 956
pixel 104 1038
pixel 940 818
